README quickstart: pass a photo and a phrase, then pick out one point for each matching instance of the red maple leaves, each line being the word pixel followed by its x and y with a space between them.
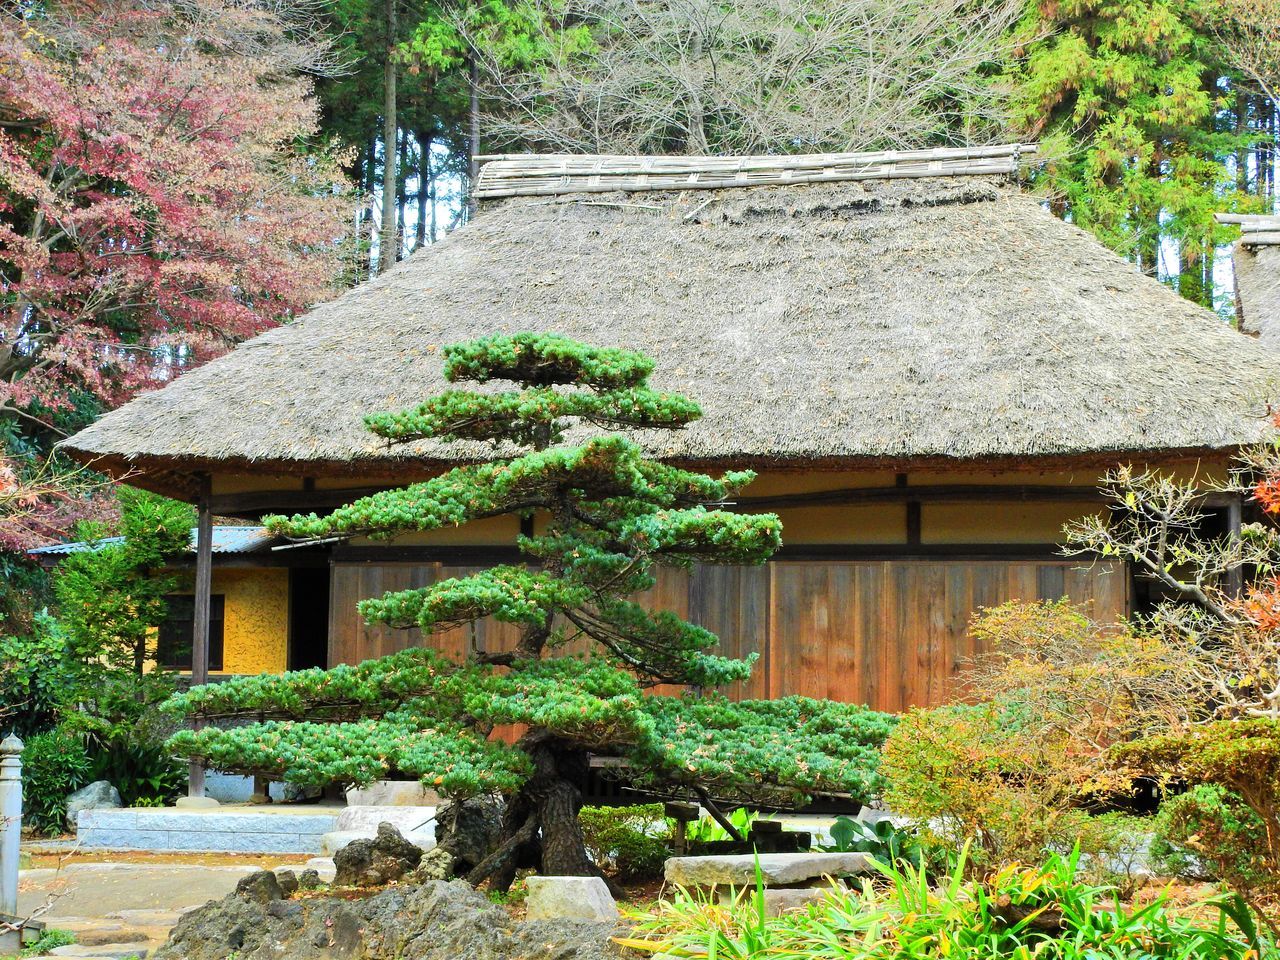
pixel 155 206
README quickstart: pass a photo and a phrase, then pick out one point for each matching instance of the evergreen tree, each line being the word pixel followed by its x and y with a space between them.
pixel 604 515
pixel 1132 105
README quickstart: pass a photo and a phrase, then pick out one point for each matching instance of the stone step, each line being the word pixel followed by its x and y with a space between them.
pixel 150 918
pixel 103 951
pixel 776 869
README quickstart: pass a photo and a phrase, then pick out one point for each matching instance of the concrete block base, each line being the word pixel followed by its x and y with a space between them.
pixel 222 830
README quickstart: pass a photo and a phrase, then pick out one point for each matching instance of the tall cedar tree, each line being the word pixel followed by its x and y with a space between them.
pixel 605 516
pixel 1128 100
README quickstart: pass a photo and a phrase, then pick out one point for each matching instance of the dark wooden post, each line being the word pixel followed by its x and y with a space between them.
pixel 1235 576
pixel 200 633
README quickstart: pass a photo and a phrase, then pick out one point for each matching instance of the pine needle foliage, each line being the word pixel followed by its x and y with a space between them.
pixel 604 516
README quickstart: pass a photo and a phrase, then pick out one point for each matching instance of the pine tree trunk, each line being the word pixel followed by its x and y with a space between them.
pixel 424 189
pixel 473 140
pixel 402 200
pixel 541 825
pixel 387 239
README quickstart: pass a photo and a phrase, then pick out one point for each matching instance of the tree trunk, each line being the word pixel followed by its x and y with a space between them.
pixel 424 189
pixel 473 140
pixel 387 239
pixel 541 825
pixel 402 182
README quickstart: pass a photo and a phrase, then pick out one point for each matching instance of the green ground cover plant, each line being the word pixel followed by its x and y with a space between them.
pixel 54 764
pixel 1044 912
pixel 629 843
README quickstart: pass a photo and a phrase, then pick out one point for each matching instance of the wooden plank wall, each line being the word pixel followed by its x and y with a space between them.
pixel 889 633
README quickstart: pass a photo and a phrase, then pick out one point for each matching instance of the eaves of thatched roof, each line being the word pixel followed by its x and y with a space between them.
pixel 887 320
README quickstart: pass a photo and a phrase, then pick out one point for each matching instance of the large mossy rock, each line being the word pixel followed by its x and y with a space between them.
pixel 99 795
pixel 470 830
pixel 434 921
pixel 375 863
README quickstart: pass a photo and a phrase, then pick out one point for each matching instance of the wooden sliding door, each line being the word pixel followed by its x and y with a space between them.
pixel 888 633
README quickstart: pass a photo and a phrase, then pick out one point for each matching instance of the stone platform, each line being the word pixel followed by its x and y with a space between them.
pixel 775 869
pixel 248 829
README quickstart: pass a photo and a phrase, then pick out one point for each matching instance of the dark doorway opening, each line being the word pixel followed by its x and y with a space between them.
pixel 308 617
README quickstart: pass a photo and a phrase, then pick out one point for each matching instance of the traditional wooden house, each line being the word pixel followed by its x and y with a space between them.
pixel 928 370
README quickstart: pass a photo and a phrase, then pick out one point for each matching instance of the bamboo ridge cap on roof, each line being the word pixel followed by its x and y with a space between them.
pixel 510 175
pixel 1256 229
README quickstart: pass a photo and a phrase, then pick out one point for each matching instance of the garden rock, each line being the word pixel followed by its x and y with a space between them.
pixel 469 829
pixel 309 880
pixel 582 898
pixel 782 900
pixel 374 863
pixel 261 886
pixel 288 881
pixel 437 864
pixel 322 867
pixel 99 795
pixel 776 869
pixel 434 921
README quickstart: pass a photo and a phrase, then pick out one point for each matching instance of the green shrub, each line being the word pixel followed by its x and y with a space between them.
pixel 49 940
pixel 1046 912
pixel 1117 848
pixel 973 776
pixel 54 764
pixel 1209 832
pixel 36 678
pixel 629 843
pixel 1231 822
pixel 145 773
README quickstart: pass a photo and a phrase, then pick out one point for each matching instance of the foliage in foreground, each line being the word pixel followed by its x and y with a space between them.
pixel 1210 833
pixel 629 843
pixel 969 773
pixel 1071 712
pixel 1230 822
pixel 1046 912
pixel 581 653
pixel 81 686
pixel 54 764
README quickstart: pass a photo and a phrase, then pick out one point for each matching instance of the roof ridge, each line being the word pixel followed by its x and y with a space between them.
pixel 1256 229
pixel 511 175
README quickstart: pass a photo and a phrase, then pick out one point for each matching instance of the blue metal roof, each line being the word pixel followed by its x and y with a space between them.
pixel 225 540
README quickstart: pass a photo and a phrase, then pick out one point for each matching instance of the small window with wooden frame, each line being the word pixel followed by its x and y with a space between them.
pixel 173 644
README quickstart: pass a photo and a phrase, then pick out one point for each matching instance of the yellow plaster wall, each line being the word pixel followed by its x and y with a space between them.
pixel 998 522
pixel 255 631
pixel 255 627
pixel 881 523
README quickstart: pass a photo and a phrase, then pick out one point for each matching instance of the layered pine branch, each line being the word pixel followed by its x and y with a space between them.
pixel 605 516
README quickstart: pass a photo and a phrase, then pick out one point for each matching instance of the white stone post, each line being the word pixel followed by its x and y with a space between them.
pixel 10 822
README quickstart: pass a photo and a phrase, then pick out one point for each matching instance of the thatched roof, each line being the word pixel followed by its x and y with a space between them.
pixel 1256 259
pixel 874 320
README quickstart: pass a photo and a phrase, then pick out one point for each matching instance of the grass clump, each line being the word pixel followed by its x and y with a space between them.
pixel 1046 912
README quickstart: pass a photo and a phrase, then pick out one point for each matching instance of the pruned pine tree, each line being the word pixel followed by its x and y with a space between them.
pixel 606 515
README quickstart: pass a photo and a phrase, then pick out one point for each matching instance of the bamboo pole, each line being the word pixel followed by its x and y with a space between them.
pixel 490 190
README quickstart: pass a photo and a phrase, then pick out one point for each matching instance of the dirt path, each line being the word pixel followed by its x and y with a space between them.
pixel 127 906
